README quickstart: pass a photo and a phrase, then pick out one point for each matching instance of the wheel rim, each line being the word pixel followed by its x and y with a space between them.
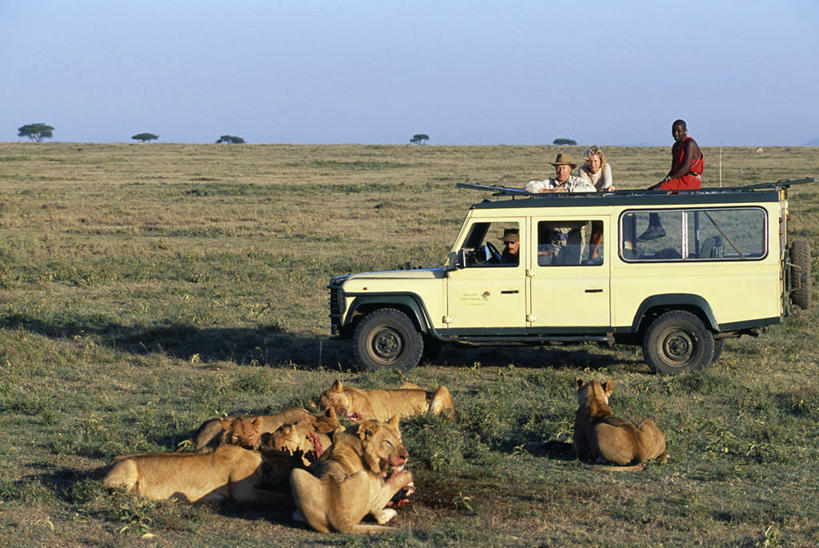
pixel 386 344
pixel 677 347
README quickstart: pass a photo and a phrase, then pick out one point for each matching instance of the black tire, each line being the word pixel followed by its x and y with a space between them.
pixel 719 346
pixel 677 342
pixel 387 338
pixel 801 280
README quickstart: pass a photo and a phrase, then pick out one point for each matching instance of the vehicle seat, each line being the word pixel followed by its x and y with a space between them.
pixel 711 248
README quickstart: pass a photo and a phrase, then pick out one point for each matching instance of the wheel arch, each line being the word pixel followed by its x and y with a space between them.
pixel 410 304
pixel 655 305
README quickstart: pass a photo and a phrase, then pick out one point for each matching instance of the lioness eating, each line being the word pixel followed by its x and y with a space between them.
pixel 308 438
pixel 598 434
pixel 245 430
pixel 228 473
pixel 358 475
pixel 358 404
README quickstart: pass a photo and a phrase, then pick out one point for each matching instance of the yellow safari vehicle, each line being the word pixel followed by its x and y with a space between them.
pixel 724 267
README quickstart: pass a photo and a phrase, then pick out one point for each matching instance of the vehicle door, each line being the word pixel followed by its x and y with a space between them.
pixel 569 272
pixel 488 290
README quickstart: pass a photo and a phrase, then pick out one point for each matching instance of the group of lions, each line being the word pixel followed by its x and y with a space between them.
pixel 336 475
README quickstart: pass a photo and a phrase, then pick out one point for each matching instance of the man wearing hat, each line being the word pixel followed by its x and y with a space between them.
pixel 560 243
pixel 511 246
pixel 563 181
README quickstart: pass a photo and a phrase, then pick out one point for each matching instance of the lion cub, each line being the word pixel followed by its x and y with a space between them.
pixel 308 439
pixel 245 430
pixel 598 434
pixel 358 404
pixel 359 475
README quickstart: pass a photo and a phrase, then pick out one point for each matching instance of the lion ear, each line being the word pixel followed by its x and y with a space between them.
pixel 366 430
pixel 225 423
pixel 393 421
pixel 286 429
pixel 578 382
pixel 336 385
pixel 609 386
pixel 331 414
pixel 257 421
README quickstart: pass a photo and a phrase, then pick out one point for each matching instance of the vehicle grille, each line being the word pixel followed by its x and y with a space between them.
pixel 336 304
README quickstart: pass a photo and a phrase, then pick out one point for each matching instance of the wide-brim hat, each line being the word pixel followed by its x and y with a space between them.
pixel 510 235
pixel 564 160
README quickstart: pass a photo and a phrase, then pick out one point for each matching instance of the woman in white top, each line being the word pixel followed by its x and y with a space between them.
pixel 596 171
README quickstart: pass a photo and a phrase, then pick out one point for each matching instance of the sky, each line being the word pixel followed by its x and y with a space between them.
pixel 464 72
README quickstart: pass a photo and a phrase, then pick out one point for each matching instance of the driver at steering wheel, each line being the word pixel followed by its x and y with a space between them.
pixel 511 246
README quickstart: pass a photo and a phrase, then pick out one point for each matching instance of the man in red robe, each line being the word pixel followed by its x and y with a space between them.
pixel 687 164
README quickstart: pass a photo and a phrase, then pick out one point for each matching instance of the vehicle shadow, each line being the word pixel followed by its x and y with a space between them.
pixel 274 347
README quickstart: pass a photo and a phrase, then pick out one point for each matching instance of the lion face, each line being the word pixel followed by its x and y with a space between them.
pixel 336 399
pixel 243 432
pixel 384 452
pixel 290 438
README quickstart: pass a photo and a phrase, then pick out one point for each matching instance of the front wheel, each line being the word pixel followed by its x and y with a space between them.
pixel 387 338
pixel 677 342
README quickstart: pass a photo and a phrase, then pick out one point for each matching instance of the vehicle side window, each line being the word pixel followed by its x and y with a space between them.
pixel 570 243
pixel 495 244
pixel 715 234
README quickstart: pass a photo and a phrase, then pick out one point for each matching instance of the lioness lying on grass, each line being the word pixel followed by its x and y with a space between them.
pixel 599 435
pixel 227 473
pixel 358 475
pixel 358 404
pixel 245 430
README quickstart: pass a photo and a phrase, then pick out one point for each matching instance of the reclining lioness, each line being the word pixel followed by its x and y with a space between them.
pixel 228 473
pixel 601 436
pixel 245 430
pixel 358 404
pixel 358 475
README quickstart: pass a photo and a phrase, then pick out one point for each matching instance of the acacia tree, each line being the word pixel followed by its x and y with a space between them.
pixel 142 137
pixel 563 141
pixel 36 132
pixel 419 138
pixel 230 140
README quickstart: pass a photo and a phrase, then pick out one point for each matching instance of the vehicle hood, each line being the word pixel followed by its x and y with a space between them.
pixel 414 274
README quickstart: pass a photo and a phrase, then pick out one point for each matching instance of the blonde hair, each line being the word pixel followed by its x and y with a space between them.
pixel 595 150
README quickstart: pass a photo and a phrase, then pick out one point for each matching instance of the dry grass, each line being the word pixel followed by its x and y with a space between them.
pixel 148 287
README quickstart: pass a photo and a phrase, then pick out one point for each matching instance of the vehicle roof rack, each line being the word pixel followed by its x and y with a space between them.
pixel 498 190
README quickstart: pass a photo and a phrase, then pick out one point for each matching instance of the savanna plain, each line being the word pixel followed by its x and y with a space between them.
pixel 145 288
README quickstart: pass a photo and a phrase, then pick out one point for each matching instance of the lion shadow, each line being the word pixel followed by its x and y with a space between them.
pixel 273 346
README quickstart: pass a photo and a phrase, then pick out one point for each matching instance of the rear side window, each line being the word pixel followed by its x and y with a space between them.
pixel 702 234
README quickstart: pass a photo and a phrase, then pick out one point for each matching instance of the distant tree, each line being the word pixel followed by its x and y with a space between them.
pixel 419 138
pixel 563 141
pixel 142 137
pixel 36 132
pixel 230 140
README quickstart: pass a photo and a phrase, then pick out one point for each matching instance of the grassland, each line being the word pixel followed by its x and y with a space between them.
pixel 146 288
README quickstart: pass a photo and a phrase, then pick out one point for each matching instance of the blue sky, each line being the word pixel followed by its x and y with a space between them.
pixel 377 72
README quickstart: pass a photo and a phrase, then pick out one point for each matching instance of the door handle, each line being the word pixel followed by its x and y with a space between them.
pixel 594 291
pixel 509 291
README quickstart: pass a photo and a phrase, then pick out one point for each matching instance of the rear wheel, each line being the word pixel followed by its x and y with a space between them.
pixel 677 342
pixel 387 338
pixel 800 274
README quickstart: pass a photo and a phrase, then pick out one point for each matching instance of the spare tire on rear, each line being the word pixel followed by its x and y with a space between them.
pixel 801 280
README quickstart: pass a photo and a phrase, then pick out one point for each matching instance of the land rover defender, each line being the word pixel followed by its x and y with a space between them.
pixel 726 267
